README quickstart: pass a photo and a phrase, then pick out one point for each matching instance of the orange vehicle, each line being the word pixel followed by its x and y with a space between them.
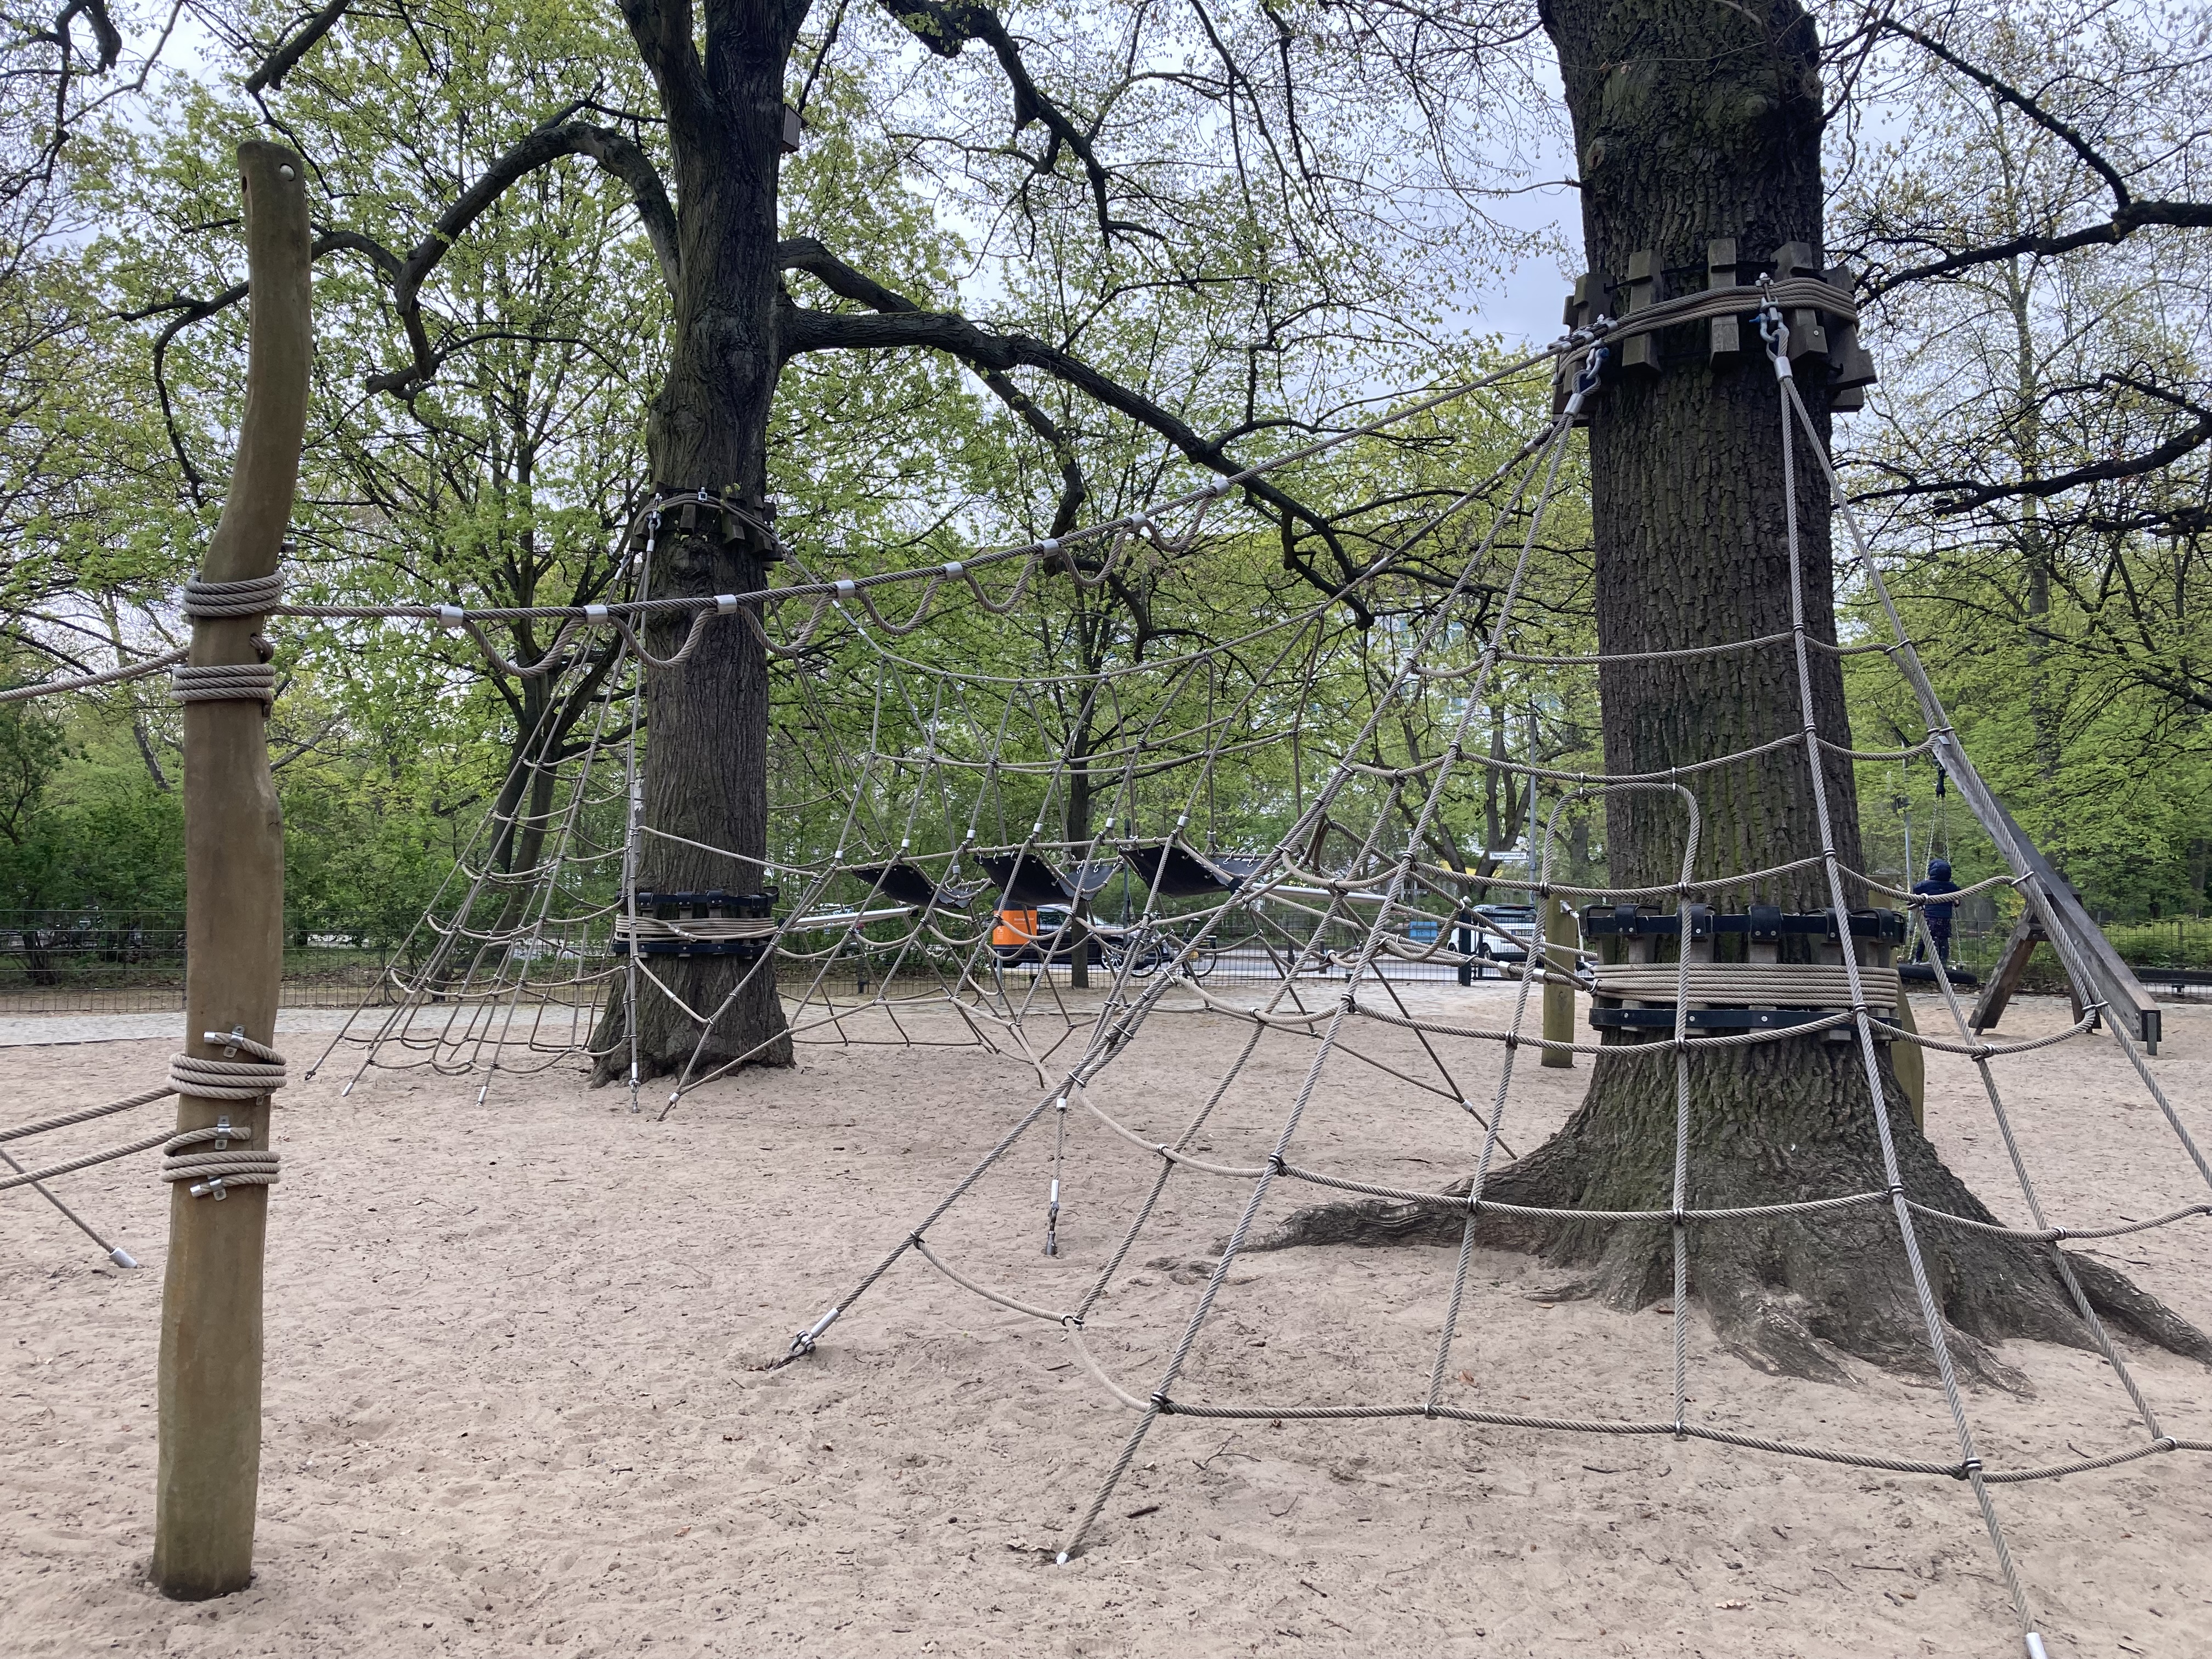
pixel 1022 934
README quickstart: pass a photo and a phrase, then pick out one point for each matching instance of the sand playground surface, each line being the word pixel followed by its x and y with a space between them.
pixel 516 1399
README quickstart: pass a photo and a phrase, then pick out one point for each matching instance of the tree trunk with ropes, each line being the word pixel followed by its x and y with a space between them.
pixel 706 752
pixel 1694 122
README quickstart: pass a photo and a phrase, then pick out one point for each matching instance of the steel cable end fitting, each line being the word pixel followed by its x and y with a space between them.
pixel 1776 333
pixel 804 1342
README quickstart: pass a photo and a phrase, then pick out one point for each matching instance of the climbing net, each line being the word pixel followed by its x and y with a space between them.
pixel 923 799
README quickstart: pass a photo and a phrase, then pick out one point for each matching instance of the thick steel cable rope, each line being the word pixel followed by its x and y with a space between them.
pixel 136 671
pixel 1937 720
pixel 2065 1267
pixel 1555 446
pixel 1776 331
pixel 1955 761
pixel 1111 1033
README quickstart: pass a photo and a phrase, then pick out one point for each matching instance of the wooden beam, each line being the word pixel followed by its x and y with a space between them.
pixel 1560 929
pixel 1725 340
pixel 2012 967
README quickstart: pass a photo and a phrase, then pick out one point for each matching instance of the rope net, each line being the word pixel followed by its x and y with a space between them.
pixel 991 826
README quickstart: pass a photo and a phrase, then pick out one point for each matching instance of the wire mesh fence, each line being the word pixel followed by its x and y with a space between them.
pixel 96 962
pixel 100 962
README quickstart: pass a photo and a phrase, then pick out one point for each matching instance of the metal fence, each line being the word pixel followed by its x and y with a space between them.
pixel 101 961
pixel 85 961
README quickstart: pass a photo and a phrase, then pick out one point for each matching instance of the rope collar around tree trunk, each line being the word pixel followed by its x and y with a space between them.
pixel 252 596
pixel 1784 984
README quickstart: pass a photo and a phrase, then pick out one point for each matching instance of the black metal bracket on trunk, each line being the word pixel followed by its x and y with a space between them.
pixel 1762 924
pixel 686 911
pixel 736 518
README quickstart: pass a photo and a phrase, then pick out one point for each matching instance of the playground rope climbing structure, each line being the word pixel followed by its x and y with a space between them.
pixel 909 791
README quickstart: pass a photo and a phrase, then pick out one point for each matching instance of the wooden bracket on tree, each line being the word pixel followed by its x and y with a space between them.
pixel 1640 353
pixel 208 1390
pixel 748 521
pixel 794 128
pixel 1851 369
pixel 734 517
pixel 1725 336
pixel 1808 336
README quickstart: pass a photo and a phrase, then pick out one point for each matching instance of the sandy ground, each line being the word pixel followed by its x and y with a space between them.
pixel 515 1395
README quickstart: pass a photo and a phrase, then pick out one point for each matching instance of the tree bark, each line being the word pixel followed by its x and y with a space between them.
pixel 706 753
pixel 1694 122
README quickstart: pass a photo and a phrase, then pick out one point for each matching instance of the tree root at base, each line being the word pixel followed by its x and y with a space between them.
pixel 1794 1295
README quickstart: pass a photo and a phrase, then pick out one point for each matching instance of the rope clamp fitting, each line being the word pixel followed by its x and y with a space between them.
pixel 596 613
pixel 726 605
pixel 1967 1470
pixel 1776 333
pixel 846 588
pixel 953 567
pixel 211 1188
pixel 450 615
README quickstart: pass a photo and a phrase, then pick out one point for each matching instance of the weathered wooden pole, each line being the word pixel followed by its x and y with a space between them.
pixel 1560 931
pixel 210 1366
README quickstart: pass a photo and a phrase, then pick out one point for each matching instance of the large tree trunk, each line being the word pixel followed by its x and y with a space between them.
pixel 706 759
pixel 1695 121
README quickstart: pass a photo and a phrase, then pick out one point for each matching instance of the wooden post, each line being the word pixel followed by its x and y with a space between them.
pixel 209 1386
pixel 2012 967
pixel 1560 927
pixel 1910 1064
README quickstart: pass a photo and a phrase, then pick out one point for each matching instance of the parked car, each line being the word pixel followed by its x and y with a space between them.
pixel 1518 922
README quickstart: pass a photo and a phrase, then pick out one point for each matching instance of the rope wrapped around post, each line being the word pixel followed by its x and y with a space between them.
pixel 212 1173
pixel 252 596
pixel 206 601
pixel 251 682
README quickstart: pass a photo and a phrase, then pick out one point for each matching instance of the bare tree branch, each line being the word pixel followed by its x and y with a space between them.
pixel 1963 495
pixel 286 56
pixel 2129 215
pixel 804 329
pixel 946 26
pixel 549 142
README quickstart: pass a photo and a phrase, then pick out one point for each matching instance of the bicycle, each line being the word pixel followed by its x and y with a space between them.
pixel 1145 949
